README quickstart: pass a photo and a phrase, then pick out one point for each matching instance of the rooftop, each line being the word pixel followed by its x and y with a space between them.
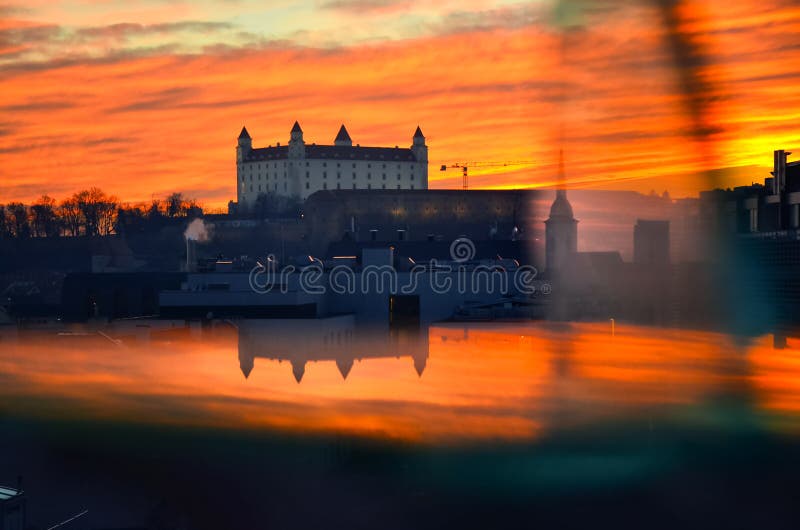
pixel 343 135
pixel 6 493
pixel 341 152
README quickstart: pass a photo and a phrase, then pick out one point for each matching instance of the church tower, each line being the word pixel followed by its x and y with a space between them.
pixel 561 234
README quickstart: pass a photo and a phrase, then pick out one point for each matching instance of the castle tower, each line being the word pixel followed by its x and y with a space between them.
pixel 418 146
pixel 561 234
pixel 244 145
pixel 420 151
pixel 343 139
pixel 297 147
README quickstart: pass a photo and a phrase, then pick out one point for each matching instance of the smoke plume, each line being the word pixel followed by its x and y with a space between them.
pixel 197 231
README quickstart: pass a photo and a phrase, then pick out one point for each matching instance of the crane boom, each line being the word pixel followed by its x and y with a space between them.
pixel 464 168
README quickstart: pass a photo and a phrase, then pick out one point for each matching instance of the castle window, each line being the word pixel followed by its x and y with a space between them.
pixel 384 176
pixel 354 165
pixel 412 186
pixel 369 186
pixel 338 175
pixel 384 166
pixel 306 174
pixel 369 176
pixel 324 164
pixel 354 174
pixel 398 176
pixel 338 185
pixel 354 185
pixel 307 186
pixel 306 164
pixel 384 186
pixel 369 165
pixel 338 164
pixel 412 177
pixel 324 185
pixel 398 186
pixel 324 174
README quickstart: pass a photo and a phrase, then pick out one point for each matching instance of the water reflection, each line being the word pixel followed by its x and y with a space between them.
pixel 335 339
pixel 479 381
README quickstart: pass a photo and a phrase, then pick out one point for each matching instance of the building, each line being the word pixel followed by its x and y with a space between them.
pixel 12 508
pixel 428 216
pixel 561 234
pixel 651 242
pixel 299 169
pixel 771 209
pixel 757 231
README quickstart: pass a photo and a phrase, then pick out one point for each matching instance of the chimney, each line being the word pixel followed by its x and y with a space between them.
pixel 779 172
pixel 191 255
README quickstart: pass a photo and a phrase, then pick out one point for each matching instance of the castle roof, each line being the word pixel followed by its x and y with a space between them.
pixel 336 152
pixel 343 136
pixel 296 128
pixel 418 133
pixel 244 133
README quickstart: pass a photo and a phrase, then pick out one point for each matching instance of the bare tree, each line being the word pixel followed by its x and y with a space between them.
pixel 71 217
pixel 4 230
pixel 18 217
pixel 98 210
pixel 175 205
pixel 107 211
pixel 44 220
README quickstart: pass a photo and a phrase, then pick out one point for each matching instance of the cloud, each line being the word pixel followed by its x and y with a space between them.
pixel 367 6
pixel 126 30
pixel 162 99
pixel 162 114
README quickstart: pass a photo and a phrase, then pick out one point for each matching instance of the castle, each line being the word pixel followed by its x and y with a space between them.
pixel 300 169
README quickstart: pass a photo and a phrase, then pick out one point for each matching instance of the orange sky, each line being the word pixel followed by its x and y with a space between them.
pixel 150 101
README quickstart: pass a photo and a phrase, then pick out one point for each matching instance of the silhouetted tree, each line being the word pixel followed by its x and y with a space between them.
pixel 272 205
pixel 174 205
pixel 98 210
pixel 18 220
pixel 155 210
pixel 4 231
pixel 69 212
pixel 44 218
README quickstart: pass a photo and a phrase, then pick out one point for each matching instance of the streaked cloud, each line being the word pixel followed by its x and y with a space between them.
pixel 150 100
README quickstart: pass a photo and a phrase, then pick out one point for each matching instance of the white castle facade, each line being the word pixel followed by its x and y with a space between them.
pixel 299 169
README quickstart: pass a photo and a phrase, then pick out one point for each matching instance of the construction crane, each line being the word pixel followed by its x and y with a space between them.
pixel 465 166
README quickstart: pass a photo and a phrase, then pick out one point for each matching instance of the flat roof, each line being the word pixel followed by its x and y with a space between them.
pixel 7 493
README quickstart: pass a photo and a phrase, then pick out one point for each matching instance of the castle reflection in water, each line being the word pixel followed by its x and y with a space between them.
pixel 334 339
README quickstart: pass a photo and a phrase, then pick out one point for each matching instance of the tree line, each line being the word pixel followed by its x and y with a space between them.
pixel 90 213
